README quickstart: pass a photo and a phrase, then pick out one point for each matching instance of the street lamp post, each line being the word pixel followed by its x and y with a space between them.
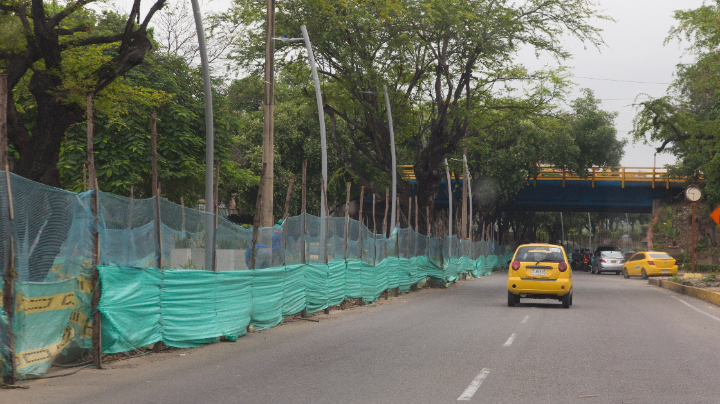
pixel 321 112
pixel 209 139
pixel 392 157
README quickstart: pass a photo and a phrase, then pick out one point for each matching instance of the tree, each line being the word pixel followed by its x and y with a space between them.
pixel 504 157
pixel 687 121
pixel 443 61
pixel 40 56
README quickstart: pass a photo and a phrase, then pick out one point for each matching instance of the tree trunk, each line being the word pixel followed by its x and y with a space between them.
pixel 39 153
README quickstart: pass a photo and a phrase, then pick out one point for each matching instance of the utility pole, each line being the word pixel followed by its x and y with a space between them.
pixel 266 205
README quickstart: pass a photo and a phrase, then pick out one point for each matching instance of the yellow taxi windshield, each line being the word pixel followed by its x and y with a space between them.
pixel 539 253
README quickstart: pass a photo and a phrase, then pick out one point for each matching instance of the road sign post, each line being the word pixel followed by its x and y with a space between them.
pixel 715 216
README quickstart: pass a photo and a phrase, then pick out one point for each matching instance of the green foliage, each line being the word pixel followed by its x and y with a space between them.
pixel 672 232
pixel 687 121
pixel 182 242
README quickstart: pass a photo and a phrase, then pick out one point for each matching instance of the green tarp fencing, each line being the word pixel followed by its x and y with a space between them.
pixel 186 308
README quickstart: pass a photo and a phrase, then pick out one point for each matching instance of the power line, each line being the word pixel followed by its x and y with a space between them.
pixel 622 81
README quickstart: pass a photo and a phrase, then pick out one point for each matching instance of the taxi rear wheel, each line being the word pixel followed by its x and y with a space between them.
pixel 625 274
pixel 512 299
pixel 566 301
pixel 643 274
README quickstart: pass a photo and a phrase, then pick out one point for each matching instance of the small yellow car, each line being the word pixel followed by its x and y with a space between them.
pixel 539 271
pixel 652 263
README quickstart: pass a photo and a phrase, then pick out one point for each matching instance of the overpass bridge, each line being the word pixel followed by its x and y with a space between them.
pixel 611 189
pixel 614 189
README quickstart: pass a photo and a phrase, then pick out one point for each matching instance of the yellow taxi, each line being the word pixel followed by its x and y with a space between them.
pixel 652 263
pixel 539 271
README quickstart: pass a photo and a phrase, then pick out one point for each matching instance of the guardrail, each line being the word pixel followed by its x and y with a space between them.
pixel 652 175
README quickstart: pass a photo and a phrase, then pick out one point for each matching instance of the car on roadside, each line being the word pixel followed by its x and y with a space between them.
pixel 608 261
pixel 628 254
pixel 602 248
pixel 539 271
pixel 650 263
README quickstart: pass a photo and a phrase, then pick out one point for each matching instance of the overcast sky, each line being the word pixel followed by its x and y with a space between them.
pixel 634 51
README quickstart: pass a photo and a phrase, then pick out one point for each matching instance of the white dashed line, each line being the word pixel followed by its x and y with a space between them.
pixel 695 308
pixel 474 385
pixel 510 340
pixel 525 319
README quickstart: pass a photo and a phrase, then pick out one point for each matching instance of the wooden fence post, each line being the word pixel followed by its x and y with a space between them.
pixel 327 227
pixel 258 212
pixel 302 213
pixel 182 205
pixel 397 214
pixel 285 216
pixel 347 220
pixel 387 205
pixel 9 273
pixel 360 219
pixel 216 210
pixel 347 232
pixel 95 300
pixel 428 229
pixel 155 190
pixel 374 235
pixel 303 224
pixel 287 198
pixel 153 151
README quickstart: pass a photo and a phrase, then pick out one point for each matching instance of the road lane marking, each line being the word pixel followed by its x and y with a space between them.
pixel 525 319
pixel 474 385
pixel 510 340
pixel 695 308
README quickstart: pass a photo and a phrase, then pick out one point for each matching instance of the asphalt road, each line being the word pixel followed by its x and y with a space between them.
pixel 622 341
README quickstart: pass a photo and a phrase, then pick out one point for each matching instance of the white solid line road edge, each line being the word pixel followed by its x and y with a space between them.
pixel 510 340
pixel 474 385
pixel 695 308
pixel 525 319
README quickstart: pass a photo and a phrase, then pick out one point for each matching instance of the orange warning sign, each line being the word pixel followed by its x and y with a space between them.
pixel 715 215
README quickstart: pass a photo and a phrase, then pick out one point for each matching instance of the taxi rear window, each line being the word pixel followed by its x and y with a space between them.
pixel 539 253
pixel 659 255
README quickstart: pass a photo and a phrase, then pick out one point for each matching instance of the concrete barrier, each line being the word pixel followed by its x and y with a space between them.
pixel 702 294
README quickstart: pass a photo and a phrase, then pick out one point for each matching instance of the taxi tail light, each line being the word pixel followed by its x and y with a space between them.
pixel 675 263
pixel 603 260
pixel 515 265
pixel 651 262
pixel 562 267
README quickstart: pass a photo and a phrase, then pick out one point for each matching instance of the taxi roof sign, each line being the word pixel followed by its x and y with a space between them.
pixel 715 215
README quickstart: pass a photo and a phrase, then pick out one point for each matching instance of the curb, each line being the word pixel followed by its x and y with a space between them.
pixel 705 295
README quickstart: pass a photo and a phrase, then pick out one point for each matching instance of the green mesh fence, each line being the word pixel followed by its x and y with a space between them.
pixel 160 287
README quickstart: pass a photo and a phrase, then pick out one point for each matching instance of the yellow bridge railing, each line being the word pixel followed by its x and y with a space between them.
pixel 653 175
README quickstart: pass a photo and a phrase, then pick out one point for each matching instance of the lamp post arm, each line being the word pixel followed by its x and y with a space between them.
pixel 321 113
